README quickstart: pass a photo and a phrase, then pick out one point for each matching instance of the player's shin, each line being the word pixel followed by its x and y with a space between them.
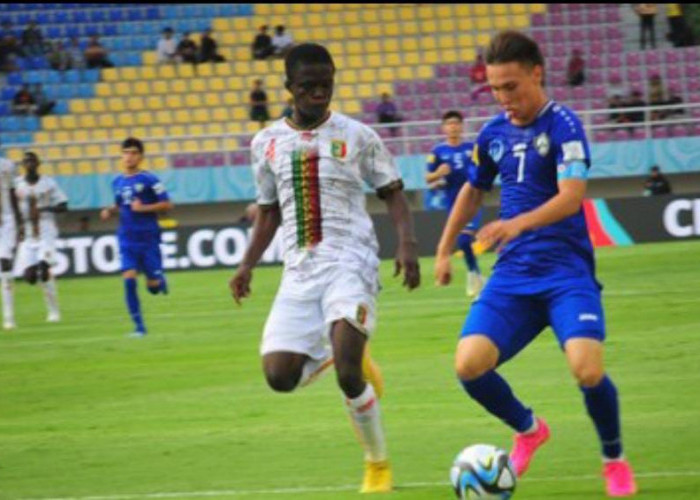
pixel 51 297
pixel 602 405
pixel 132 302
pixel 366 418
pixel 8 298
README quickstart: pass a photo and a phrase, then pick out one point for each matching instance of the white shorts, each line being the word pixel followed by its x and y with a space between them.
pixel 31 252
pixel 8 238
pixel 306 306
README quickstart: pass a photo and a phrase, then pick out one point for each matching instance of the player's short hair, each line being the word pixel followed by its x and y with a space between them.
pixel 306 53
pixel 513 46
pixel 132 142
pixel 32 155
pixel 452 114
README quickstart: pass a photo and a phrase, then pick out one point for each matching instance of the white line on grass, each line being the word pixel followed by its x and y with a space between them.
pixel 346 487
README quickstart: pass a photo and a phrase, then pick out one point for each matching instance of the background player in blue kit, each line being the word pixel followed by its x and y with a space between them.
pixel 545 272
pixel 139 197
pixel 448 169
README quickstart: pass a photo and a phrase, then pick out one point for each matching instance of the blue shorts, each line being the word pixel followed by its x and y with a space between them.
pixel 143 257
pixel 512 318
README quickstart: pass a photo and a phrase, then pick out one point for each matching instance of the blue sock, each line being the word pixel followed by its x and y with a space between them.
pixel 602 406
pixel 132 302
pixel 464 242
pixel 494 394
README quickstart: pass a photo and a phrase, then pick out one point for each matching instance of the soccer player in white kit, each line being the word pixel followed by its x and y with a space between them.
pixel 310 172
pixel 9 223
pixel 39 198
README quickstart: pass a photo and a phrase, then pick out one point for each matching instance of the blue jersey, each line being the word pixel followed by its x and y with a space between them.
pixel 134 226
pixel 459 158
pixel 529 160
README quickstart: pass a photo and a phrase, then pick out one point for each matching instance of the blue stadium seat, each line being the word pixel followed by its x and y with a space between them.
pixel 52 77
pixel 4 109
pixel 243 9
pixel 109 30
pixel 54 32
pixel 24 138
pixel 80 16
pixel 118 58
pixel 91 76
pixel 8 93
pixel 72 76
pixel 31 77
pixel 11 123
pixel 152 13
pixel 23 19
pixel 60 17
pixel 135 15
pixel 98 16
pixel 14 78
pixel 133 59
pixel 92 29
pixel 168 11
pixel 61 108
pixel 30 123
pixel 42 18
pixel 72 31
pixel 116 15
pixel 21 63
pixel 86 90
pixel 51 91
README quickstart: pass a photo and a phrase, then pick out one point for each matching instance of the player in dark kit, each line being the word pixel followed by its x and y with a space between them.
pixel 545 272
pixel 138 197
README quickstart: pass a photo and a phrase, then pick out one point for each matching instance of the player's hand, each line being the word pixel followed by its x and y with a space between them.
pixel 443 271
pixel 499 233
pixel 137 206
pixel 105 214
pixel 444 170
pixel 407 260
pixel 240 283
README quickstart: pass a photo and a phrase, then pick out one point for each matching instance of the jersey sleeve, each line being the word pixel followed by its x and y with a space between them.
pixel 158 188
pixel 570 146
pixel 482 169
pixel 265 182
pixel 431 161
pixel 377 166
pixel 57 196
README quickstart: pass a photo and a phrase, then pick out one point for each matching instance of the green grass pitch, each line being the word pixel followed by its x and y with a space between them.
pixel 185 412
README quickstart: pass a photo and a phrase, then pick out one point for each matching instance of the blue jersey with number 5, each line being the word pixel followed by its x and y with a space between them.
pixel 530 161
pixel 145 187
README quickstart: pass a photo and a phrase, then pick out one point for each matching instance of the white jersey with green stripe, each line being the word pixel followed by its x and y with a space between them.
pixel 317 177
pixel 8 172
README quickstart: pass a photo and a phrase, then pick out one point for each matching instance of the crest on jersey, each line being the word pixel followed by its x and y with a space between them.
pixel 496 150
pixel 139 187
pixel 339 149
pixel 542 144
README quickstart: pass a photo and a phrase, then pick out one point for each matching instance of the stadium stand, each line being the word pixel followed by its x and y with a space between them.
pixel 421 54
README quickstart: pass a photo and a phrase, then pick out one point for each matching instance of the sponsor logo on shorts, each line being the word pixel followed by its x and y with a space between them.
pixel 587 317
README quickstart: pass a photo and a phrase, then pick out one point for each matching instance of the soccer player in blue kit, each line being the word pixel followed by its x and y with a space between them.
pixel 447 170
pixel 139 197
pixel 545 272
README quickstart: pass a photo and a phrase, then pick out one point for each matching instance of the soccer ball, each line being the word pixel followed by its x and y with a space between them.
pixel 483 471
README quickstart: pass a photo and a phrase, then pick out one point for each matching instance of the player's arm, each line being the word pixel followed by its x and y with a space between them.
pixel 157 207
pixel 108 212
pixel 56 209
pixel 400 213
pixel 14 202
pixel 435 171
pixel 465 209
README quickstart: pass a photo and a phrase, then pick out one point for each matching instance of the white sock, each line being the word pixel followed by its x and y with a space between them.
pixel 367 420
pixel 50 295
pixel 315 369
pixel 8 297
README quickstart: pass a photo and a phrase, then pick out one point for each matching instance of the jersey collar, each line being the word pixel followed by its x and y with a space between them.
pixel 317 125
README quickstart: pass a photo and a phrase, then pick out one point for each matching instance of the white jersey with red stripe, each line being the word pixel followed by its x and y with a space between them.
pixel 318 178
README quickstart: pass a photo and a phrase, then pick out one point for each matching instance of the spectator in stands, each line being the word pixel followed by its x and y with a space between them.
pixel 44 105
pixel 288 111
pixel 59 58
pixel 636 101
pixel 258 104
pixel 616 102
pixel 262 45
pixel 208 48
pixel 9 48
pixel 477 73
pixel 674 98
pixel 680 35
pixel 32 40
pixel 387 112
pixel 166 49
pixel 575 71
pixel 187 49
pixel 615 86
pixel 23 102
pixel 282 42
pixel 96 55
pixel 77 57
pixel 647 15
pixel 656 96
pixel 656 183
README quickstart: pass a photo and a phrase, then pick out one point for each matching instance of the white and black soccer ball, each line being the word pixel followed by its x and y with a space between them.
pixel 483 471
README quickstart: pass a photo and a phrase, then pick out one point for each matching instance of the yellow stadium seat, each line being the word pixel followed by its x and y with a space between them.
pixel 232 128
pixel 229 38
pixel 393 59
pixel 61 136
pixel 483 23
pixel 357 31
pixel 354 47
pixel 502 22
pixel 73 151
pixel 222 69
pixel 518 8
pixel 54 153
pixel 372 46
pixel 191 146
pixel 148 73
pixel 78 105
pixel 141 88
pixel 155 147
pixel 499 9
pixel 410 28
pixel 210 145
pixel 374 30
pixel 335 6
pixel 262 9
pixel 174 101
pixel 239 53
pixel 317 7
pixel 193 100
pixel 231 98
pixel 483 39
pixel 154 102
pixel 50 122
pixel 370 16
pixel 239 113
pixel 425 12
pixel 103 166
pixel 194 129
pixel 110 74
pixel 185 70
pixel 214 128
pixel 466 24
pixel 352 107
pixel 183 116
pixel 49 168
pixel 239 24
pixel 42 137
pixel 126 119
pixel 235 83
pixel 386 74
pixel 177 130
pixel 520 21
pixel 172 146
pixel 212 99
pixel 129 73
pixel 99 134
pixel 314 20
pixel 65 168
pixel 424 71
pixel 428 42
pixel 82 134
pixel 205 70
pixel 85 167
pixel 166 71
pixel 251 127
pixel 319 33
pixel 159 87
pixel 219 24
pixel 538 8
pixel 346 91
pixel 164 116
pixel 405 73
pixel 407 45
pixel 444 11
pixel 179 86
pixel 465 40
pixel 16 154
pixel 144 118
pixel 150 58
pixel 106 120
pixel 122 88
pixel 198 85
pixel 87 121
pixel 449 56
pixel 462 10
pixel 103 89
pixel 333 18
pixel 134 103
pixel 217 84
pixel 356 62
pixel 200 115
pixel 340 62
pixel 349 76
pixel 446 42
pixel 228 53
pixel 116 104
pixel 411 58
pixel 351 17
pixel 367 75
pixel 93 150
pixel 157 131
pixel 68 122
pixel 407 13
pixel 389 15
pixel 159 163
pixel 302 34
pixel 365 91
